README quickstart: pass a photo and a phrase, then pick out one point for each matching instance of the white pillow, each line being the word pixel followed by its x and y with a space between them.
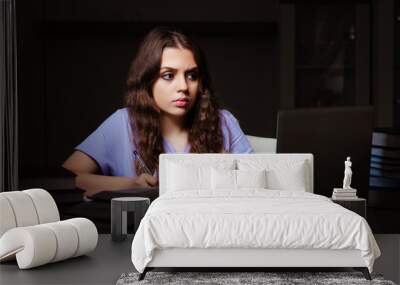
pixel 237 179
pixel 282 174
pixel 186 175
pixel 251 178
pixel 223 179
pixel 183 178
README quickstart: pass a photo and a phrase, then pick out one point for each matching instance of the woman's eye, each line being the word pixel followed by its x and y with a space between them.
pixel 167 76
pixel 192 75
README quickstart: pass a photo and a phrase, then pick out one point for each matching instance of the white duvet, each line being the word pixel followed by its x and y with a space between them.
pixel 250 218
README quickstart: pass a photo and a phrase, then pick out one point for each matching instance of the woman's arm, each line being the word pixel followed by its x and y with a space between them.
pixel 94 183
pixel 79 162
pixel 87 177
pixel 237 140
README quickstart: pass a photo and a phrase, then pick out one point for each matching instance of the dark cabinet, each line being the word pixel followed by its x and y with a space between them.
pixel 358 205
pixel 330 52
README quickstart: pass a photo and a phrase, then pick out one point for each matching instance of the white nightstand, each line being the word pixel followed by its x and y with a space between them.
pixel 357 205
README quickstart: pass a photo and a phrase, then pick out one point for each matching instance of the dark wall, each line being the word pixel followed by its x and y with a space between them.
pixel 31 86
pixel 74 58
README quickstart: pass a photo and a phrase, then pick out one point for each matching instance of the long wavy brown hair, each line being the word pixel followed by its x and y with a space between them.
pixel 202 121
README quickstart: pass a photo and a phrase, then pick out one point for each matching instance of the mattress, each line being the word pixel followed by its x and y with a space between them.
pixel 252 219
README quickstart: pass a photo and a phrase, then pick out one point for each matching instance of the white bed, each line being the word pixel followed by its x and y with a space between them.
pixel 204 221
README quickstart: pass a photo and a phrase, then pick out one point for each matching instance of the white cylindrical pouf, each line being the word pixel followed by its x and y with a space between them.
pixel 23 208
pixel 7 218
pixel 33 246
pixel 40 244
pixel 67 239
pixel 45 205
pixel 87 234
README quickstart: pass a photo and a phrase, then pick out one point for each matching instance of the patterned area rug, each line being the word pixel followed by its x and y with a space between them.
pixel 229 278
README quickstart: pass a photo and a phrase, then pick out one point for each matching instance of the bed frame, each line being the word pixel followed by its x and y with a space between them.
pixel 242 258
pixel 259 258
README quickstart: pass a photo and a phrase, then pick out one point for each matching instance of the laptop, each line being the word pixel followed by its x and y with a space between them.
pixel 331 134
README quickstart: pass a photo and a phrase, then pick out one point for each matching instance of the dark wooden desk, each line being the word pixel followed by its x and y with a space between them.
pixel 151 193
pixel 70 204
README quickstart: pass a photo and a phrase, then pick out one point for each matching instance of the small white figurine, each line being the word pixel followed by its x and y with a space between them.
pixel 347 174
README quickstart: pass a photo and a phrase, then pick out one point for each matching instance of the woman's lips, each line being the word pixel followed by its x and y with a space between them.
pixel 181 102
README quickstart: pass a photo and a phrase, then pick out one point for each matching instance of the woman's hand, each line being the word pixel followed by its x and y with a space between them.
pixel 87 177
pixel 146 180
pixel 94 183
pixel 91 191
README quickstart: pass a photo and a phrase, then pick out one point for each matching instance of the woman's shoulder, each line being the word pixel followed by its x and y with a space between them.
pixel 122 112
pixel 112 124
pixel 235 140
pixel 118 115
pixel 227 117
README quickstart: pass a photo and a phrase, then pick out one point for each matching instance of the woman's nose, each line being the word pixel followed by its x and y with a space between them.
pixel 182 83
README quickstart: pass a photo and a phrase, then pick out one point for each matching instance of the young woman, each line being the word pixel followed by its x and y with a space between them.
pixel 170 108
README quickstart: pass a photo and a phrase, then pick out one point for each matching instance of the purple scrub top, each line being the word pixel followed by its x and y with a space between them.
pixel 110 145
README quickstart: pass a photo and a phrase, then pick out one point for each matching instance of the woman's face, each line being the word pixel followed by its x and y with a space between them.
pixel 175 90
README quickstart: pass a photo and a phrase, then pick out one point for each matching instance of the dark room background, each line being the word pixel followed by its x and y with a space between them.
pixel 73 58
